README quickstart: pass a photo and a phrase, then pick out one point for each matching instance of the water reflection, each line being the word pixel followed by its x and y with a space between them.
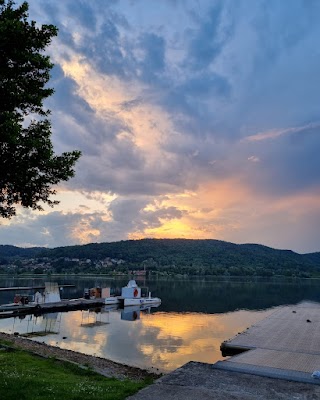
pixel 173 339
pixel 32 325
pixel 192 321
pixel 141 337
pixel 94 317
pixel 218 295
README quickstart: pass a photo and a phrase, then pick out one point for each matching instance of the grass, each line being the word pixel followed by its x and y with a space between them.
pixel 25 376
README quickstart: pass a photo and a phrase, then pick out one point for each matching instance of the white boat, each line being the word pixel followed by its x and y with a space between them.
pixel 131 296
pixel 143 301
pixel 51 294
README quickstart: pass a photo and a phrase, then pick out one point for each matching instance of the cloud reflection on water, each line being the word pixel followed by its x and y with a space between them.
pixel 159 340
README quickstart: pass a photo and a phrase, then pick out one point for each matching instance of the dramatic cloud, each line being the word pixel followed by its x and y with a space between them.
pixel 195 119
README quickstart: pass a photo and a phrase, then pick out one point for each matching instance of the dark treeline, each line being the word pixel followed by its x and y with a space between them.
pixel 183 256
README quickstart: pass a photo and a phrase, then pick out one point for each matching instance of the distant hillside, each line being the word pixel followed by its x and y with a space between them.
pixel 184 256
pixel 314 258
pixel 13 251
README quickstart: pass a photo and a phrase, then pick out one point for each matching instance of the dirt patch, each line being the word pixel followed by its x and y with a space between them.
pixel 101 365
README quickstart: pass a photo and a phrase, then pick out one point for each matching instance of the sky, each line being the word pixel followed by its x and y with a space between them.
pixel 196 119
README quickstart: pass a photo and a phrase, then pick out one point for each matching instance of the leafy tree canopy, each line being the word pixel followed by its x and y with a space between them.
pixel 28 165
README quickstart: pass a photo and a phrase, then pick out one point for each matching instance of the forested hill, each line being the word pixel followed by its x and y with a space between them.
pixel 7 251
pixel 182 254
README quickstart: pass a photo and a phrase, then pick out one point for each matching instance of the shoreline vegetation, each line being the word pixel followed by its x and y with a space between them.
pixel 164 278
pixel 88 375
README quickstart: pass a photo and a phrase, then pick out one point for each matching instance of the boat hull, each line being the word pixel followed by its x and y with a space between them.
pixel 142 301
pixel 111 300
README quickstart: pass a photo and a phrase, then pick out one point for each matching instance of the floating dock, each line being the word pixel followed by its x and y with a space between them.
pixel 64 305
pixel 286 345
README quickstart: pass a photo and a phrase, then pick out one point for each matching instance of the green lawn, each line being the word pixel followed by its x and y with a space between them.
pixel 25 376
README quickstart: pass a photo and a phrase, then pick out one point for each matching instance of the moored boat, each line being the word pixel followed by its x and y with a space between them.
pixel 131 296
pixel 111 300
pixel 50 294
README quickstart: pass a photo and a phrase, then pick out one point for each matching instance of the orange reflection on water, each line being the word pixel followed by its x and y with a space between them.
pixel 160 341
pixel 188 337
pixel 81 334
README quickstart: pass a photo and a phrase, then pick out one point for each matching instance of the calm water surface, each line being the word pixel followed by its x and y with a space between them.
pixel 192 321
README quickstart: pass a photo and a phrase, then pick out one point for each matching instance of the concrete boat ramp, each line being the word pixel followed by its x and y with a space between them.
pixel 275 359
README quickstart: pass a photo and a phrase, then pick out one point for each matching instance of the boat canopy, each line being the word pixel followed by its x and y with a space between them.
pixel 132 284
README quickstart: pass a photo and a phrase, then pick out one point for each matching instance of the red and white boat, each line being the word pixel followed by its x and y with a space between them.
pixel 131 296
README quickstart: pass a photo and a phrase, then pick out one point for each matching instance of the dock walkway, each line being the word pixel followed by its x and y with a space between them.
pixel 286 342
pixel 275 360
pixel 63 305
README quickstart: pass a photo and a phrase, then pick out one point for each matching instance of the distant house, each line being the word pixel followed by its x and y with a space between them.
pixel 139 272
pixel 107 264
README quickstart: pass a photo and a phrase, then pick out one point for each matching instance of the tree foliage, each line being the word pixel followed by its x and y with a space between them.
pixel 28 165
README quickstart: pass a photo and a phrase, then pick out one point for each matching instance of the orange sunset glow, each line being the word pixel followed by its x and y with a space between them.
pixel 190 129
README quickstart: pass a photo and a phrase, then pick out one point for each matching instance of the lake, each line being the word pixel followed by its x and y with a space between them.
pixel 194 318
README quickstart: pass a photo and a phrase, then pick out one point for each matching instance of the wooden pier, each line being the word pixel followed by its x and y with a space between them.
pixel 64 305
pixel 286 344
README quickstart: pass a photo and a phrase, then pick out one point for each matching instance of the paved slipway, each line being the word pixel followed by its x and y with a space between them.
pixel 199 381
pixel 103 366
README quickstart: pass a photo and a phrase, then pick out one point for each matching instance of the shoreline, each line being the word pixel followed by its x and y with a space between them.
pixel 103 366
